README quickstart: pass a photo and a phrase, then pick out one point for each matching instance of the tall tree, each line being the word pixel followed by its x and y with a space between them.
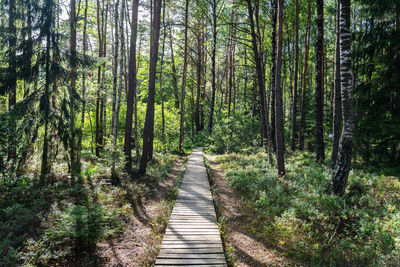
pixel 99 102
pixel 336 92
pixel 213 73
pixel 148 131
pixel 319 82
pixel 303 78
pixel 296 67
pixel 174 74
pixel 161 78
pixel 274 6
pixel 74 165
pixel 342 167
pixel 132 86
pixel 47 32
pixel 280 145
pixel 199 68
pixel 84 46
pixel 259 69
pixel 182 115
pixel 116 92
pixel 12 73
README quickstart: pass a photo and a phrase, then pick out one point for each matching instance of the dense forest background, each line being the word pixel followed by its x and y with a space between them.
pixel 301 98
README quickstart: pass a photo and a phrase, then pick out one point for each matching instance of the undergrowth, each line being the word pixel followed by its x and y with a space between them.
pixel 57 223
pixel 297 216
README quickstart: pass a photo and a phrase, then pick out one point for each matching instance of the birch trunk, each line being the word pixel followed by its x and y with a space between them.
pixel 342 167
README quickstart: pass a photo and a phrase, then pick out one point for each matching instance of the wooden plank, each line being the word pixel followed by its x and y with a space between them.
pixel 202 265
pixel 192 236
pixel 193 232
pixel 192 256
pixel 191 250
pixel 192 244
pixel 186 245
pixel 190 261
pixel 193 227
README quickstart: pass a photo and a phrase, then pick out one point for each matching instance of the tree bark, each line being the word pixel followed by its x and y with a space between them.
pixel 214 49
pixel 132 86
pixel 174 74
pixel 319 82
pixel 259 70
pixel 342 167
pixel 280 146
pixel 161 79
pixel 72 91
pixel 117 93
pixel 84 45
pixel 274 6
pixel 12 75
pixel 148 131
pixel 181 128
pixel 303 79
pixel 199 76
pixel 296 67
pixel 336 92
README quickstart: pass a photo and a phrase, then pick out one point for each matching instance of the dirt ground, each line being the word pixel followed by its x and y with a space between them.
pixel 248 249
pixel 140 241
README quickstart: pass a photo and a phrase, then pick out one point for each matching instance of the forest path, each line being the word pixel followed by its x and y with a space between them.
pixel 192 236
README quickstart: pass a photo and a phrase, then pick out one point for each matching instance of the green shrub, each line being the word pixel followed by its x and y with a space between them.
pixel 362 228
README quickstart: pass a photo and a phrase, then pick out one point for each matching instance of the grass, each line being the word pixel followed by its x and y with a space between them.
pixel 297 216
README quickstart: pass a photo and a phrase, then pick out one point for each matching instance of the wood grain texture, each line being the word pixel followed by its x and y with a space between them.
pixel 192 236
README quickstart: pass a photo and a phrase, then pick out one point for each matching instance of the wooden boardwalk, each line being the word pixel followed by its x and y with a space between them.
pixel 192 236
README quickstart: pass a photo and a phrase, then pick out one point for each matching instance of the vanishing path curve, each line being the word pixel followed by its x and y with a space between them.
pixel 192 236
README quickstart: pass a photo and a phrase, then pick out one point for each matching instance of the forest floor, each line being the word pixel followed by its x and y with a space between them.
pixel 139 244
pixel 268 220
pixel 90 223
pixel 246 247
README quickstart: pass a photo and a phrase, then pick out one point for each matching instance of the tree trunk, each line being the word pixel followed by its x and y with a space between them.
pixel 116 93
pixel 259 70
pixel 280 146
pixel 148 131
pixel 199 77
pixel 12 76
pixel 174 75
pixel 319 82
pixel 181 128
pixel 45 167
pixel 303 79
pixel 273 70
pixel 342 167
pixel 214 49
pixel 336 92
pixel 135 128
pixel 161 79
pixel 296 67
pixel 132 86
pixel 72 91
pixel 84 45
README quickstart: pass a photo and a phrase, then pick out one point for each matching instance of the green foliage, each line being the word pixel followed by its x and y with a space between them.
pixel 377 98
pixel 312 226
pixel 60 224
pixel 231 134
